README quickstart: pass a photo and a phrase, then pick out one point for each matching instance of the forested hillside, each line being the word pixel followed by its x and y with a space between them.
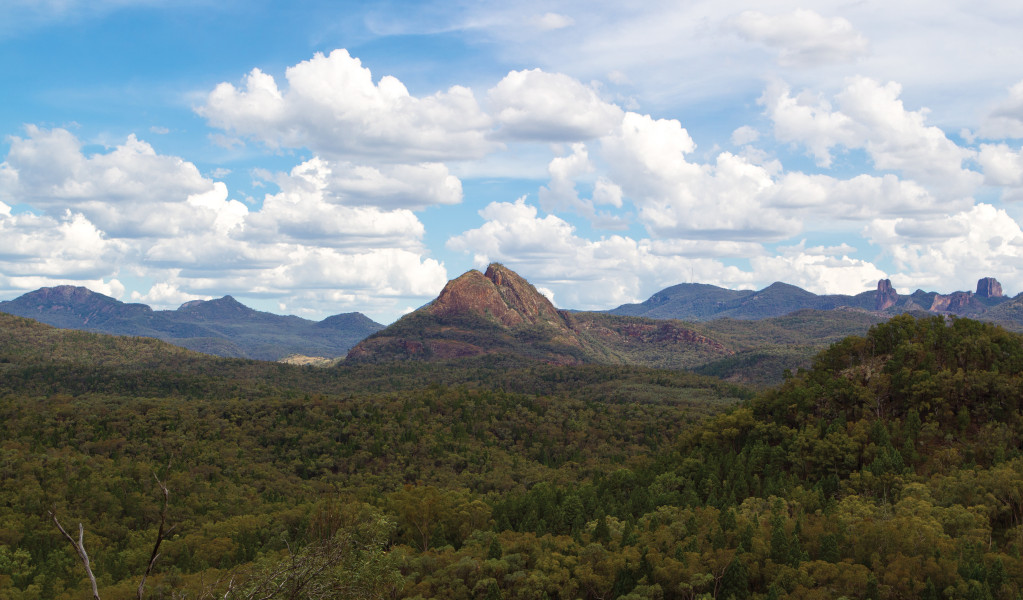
pixel 890 469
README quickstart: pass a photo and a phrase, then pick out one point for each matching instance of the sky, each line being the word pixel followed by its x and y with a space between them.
pixel 315 158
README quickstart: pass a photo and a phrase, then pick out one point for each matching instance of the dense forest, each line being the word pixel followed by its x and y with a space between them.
pixel 890 469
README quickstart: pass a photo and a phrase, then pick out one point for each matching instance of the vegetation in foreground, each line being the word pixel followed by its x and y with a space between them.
pixel 891 469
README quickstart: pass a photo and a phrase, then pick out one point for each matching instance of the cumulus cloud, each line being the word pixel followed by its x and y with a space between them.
pixel 582 273
pixel 862 197
pixel 678 198
pixel 870 116
pixel 560 194
pixel 1003 166
pixel 36 247
pixel 1006 120
pixel 978 242
pixel 334 230
pixel 818 270
pixel 128 192
pixel 535 105
pixel 396 186
pixel 333 107
pixel 312 207
pixel 165 295
pixel 745 135
pixel 803 37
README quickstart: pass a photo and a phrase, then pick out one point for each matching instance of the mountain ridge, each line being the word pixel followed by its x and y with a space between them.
pixel 705 302
pixel 222 326
pixel 497 312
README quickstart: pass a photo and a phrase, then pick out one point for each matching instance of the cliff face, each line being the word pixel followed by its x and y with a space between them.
pixel 956 303
pixel 989 287
pixel 499 312
pixel 499 294
pixel 886 296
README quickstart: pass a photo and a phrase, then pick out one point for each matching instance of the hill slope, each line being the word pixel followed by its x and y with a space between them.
pixel 500 313
pixel 223 327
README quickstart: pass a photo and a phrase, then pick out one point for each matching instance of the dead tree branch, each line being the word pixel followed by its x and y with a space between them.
pixel 161 533
pixel 79 547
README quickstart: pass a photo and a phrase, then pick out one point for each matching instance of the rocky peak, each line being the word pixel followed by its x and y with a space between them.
pixel 885 296
pixel 988 287
pixel 500 294
pixel 226 307
pixel 64 295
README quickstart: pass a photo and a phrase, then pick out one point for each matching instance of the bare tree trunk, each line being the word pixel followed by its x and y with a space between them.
pixel 160 534
pixel 79 547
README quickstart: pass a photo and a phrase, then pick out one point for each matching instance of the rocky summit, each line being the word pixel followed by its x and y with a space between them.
pixel 499 294
pixel 497 312
pixel 886 296
pixel 989 287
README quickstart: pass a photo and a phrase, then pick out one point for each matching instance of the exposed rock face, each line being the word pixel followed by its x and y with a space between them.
pixel 956 302
pixel 499 312
pixel 989 287
pixel 886 296
pixel 499 294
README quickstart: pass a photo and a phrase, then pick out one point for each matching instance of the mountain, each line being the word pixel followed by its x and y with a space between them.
pixel 702 302
pixel 499 313
pixel 224 327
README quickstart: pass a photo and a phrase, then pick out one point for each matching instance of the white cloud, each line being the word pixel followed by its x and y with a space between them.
pixel 335 230
pixel 809 120
pixel 803 37
pixel 606 191
pixel 396 186
pixel 821 272
pixel 130 191
pixel 229 213
pixel 34 247
pixel 745 135
pixel 333 107
pixel 1003 166
pixel 983 241
pixel 560 193
pixel 1006 120
pixel 164 295
pixel 677 198
pixel 705 248
pixel 312 208
pixel 582 273
pixel 550 21
pixel 534 105
pixel 863 197
pixel 872 117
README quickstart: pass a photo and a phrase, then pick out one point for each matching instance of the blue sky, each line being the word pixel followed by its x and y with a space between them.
pixel 323 157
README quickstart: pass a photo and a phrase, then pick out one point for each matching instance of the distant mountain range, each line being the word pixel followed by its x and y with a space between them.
pixel 742 335
pixel 702 302
pixel 223 327
pixel 500 313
